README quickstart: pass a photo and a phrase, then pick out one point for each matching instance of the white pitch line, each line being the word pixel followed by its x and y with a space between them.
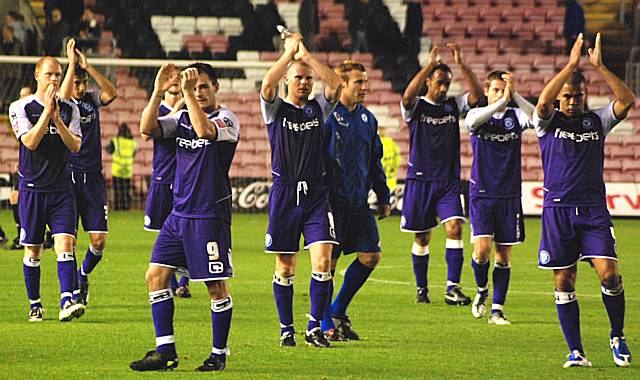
pixel 550 294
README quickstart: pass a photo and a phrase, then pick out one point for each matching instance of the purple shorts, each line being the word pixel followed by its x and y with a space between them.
pixel 202 246
pixel 294 211
pixel 570 234
pixel 37 210
pixel 159 204
pixel 356 230
pixel 497 218
pixel 424 201
pixel 91 199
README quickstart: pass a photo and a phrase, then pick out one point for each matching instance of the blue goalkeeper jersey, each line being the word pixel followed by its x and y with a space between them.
pixel 354 156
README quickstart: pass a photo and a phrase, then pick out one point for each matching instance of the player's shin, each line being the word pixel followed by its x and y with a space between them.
pixel 91 259
pixel 569 316
pixel 283 294
pixel 481 274
pixel 501 278
pixel 420 258
pixel 614 302
pixel 327 323
pixel 318 292
pixel 66 276
pixel 454 257
pixel 31 270
pixel 221 312
pixel 355 276
pixel 162 309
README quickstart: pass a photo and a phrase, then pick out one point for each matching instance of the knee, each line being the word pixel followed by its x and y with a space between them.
pixel 481 252
pixel 369 260
pixel 454 230
pixel 99 242
pixel 285 270
pixel 422 239
pixel 612 283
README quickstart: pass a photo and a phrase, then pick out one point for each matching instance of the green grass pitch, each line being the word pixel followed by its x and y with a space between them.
pixel 402 340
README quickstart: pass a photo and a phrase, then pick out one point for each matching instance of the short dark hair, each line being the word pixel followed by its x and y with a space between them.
pixel 80 72
pixel 205 68
pixel 494 75
pixel 576 78
pixel 440 66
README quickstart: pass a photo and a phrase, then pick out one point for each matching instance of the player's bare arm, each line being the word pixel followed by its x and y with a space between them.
pixel 624 96
pixel 66 88
pixel 149 120
pixel 552 89
pixel 109 92
pixel 413 89
pixel 203 127
pixel 475 89
pixel 272 78
pixel 32 139
pixel 331 80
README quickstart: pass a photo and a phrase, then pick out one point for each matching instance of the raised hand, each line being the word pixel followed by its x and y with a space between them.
pixel 457 52
pixel 291 44
pixel 163 77
pixel 510 79
pixel 433 56
pixel 50 102
pixel 82 60
pixel 71 52
pixel 576 51
pixel 302 51
pixel 595 54
pixel 188 80
pixel 509 88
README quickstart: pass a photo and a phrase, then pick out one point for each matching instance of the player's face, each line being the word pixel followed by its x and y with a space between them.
pixel 49 73
pixel 438 85
pixel 495 90
pixel 572 99
pixel 357 87
pixel 79 87
pixel 206 93
pixel 299 81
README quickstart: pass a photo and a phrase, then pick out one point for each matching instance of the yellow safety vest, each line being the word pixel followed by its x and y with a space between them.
pixel 122 164
pixel 390 161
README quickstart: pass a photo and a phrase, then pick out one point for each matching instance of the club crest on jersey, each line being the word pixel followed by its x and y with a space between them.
pixel 544 257
pixel 309 111
pixel 448 107
pixel 587 124
pixel 364 118
pixel 508 124
pixel 87 107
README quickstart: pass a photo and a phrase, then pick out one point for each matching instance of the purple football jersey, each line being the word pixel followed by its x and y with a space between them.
pixel 434 135
pixel 298 150
pixel 573 156
pixel 201 188
pixel 46 168
pixel 163 166
pixel 89 158
pixel 496 168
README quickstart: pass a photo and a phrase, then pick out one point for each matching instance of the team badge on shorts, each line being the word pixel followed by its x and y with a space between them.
pixel 147 220
pixel 403 221
pixel 544 257
pixel 364 118
pixel 268 240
